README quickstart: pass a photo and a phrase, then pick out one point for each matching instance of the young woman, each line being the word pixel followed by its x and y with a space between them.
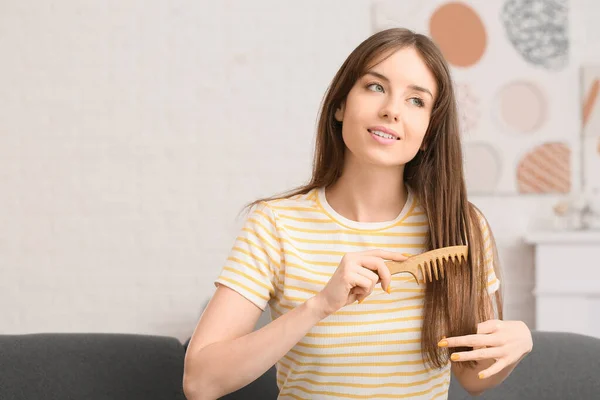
pixel 387 182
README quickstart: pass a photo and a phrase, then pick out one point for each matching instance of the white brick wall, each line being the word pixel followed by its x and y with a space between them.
pixel 131 134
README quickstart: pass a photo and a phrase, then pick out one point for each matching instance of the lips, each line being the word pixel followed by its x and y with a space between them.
pixel 384 132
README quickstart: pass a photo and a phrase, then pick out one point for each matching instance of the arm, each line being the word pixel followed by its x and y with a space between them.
pixel 225 354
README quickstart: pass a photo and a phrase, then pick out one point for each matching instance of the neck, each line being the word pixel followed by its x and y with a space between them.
pixel 368 193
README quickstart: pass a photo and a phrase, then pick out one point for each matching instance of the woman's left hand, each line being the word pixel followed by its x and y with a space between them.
pixel 507 342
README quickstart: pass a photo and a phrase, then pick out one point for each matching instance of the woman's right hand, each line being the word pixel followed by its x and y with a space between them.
pixel 355 278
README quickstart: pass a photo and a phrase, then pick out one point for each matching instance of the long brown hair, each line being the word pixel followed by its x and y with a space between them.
pixel 455 305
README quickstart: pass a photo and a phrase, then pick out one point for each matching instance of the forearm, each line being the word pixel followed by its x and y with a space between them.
pixel 223 367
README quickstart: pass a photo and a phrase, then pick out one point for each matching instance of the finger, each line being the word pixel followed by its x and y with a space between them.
pixel 494 369
pixel 384 275
pixel 367 273
pixel 361 297
pixel 478 340
pixel 378 265
pixel 362 284
pixel 353 295
pixel 479 354
pixel 364 287
pixel 489 326
pixel 386 255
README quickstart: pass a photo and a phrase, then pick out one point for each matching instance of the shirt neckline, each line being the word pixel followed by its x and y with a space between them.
pixel 363 226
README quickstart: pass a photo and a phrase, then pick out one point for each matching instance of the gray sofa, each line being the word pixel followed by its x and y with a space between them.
pixel 124 366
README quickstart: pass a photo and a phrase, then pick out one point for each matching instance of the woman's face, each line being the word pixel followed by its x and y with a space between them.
pixel 387 111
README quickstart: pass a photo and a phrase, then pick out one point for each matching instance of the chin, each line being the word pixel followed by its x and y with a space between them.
pixel 386 162
pixel 379 157
pixel 385 159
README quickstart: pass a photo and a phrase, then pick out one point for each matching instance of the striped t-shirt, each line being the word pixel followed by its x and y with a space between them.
pixel 285 254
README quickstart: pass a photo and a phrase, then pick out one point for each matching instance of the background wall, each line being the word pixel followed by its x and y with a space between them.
pixel 132 133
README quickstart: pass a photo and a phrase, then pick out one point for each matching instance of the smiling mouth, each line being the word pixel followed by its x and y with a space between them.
pixel 383 134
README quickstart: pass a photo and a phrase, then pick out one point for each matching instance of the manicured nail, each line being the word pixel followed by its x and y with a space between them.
pixel 481 375
pixel 360 301
pixel 455 357
pixel 407 255
pixel 389 289
pixel 443 343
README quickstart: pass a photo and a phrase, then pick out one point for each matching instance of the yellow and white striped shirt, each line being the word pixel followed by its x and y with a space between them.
pixel 286 253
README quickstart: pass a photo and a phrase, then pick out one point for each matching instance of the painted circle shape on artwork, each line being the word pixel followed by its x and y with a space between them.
pixel 482 167
pixel 521 106
pixel 545 169
pixel 459 32
pixel 538 31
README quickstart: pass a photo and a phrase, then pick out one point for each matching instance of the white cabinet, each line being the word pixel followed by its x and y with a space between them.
pixel 567 281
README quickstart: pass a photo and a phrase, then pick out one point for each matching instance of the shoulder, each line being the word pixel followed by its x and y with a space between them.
pixel 477 217
pixel 300 202
pixel 270 210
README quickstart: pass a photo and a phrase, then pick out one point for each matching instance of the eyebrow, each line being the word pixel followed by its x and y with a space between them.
pixel 413 87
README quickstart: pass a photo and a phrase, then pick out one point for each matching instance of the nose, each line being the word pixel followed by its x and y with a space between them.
pixel 391 111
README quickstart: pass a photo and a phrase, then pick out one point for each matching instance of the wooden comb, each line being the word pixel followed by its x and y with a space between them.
pixel 430 263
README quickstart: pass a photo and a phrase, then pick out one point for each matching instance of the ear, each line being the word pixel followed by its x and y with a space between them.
pixel 339 113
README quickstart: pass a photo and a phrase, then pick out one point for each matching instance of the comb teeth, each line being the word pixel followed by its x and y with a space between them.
pixel 431 265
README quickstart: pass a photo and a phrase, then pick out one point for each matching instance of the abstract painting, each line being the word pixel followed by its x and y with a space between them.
pixel 517 98
pixel 590 116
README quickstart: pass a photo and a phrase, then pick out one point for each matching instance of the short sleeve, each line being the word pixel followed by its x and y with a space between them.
pixel 493 283
pixel 252 268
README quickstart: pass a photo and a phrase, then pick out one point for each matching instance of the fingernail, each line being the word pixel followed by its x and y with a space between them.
pixel 443 337
pixel 389 289
pixel 443 343
pixel 481 375
pixel 455 357
pixel 407 255
pixel 360 301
